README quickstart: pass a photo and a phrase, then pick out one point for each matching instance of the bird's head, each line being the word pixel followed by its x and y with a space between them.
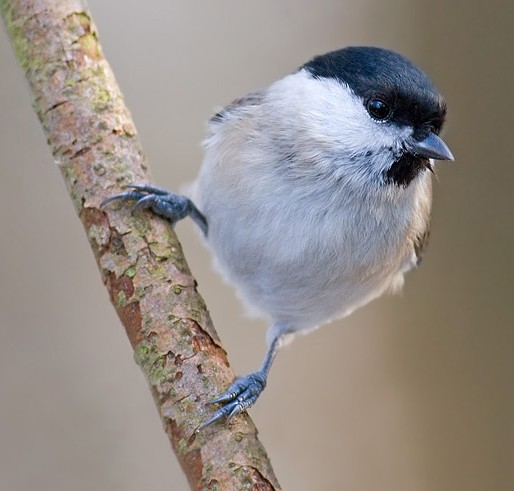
pixel 376 109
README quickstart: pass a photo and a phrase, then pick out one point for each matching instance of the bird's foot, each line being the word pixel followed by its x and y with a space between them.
pixel 167 205
pixel 238 397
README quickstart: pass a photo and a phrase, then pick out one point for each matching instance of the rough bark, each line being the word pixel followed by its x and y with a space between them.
pixel 94 143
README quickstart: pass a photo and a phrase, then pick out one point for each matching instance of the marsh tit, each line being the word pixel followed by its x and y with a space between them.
pixel 315 193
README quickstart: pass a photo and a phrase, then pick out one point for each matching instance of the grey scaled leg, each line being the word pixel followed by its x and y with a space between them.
pixel 245 390
pixel 173 207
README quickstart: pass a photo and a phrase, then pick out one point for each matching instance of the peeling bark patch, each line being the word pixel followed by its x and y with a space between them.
pixel 80 25
pixel 193 467
pixel 253 480
pixel 130 316
pixel 96 217
pixel 261 484
pixel 121 290
pixel 202 341
pixel 183 447
pixel 98 236
pixel 122 284
pixel 213 485
pixel 117 245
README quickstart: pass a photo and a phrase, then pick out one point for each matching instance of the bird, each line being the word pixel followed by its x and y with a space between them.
pixel 314 194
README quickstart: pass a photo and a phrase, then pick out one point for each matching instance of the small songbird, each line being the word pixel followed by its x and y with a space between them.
pixel 314 194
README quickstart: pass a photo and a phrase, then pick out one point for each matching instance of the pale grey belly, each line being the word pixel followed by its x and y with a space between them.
pixel 310 289
pixel 299 267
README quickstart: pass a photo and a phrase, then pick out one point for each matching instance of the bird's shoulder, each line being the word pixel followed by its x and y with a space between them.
pixel 235 107
pixel 421 242
pixel 422 228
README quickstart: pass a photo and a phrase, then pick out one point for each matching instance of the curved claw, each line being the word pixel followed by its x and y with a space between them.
pixel 144 202
pixel 236 410
pixel 241 395
pixel 141 191
pixel 225 397
pixel 219 414
pixel 125 196
pixel 147 188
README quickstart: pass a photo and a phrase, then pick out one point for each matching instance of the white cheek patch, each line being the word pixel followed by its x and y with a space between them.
pixel 349 123
pixel 333 114
pixel 336 121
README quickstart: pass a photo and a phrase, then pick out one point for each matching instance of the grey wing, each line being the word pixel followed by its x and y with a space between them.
pixel 251 99
pixel 421 242
pixel 422 229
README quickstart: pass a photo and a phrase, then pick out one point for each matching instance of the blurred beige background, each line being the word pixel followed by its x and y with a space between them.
pixel 413 392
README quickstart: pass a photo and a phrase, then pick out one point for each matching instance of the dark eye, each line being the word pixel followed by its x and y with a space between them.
pixel 378 109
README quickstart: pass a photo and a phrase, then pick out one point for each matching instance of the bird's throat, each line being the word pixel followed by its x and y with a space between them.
pixel 405 169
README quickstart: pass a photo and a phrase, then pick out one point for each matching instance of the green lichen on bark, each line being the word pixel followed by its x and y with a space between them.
pixel 153 363
pixel 21 46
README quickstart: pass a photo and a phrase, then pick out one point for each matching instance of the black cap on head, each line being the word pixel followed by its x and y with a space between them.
pixel 377 73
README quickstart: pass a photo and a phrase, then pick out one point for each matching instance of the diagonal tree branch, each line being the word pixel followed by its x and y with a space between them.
pixel 93 140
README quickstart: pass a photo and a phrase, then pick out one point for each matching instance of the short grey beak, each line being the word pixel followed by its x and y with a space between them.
pixel 432 147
